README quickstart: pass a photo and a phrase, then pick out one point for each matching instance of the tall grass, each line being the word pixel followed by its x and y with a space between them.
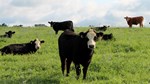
pixel 125 60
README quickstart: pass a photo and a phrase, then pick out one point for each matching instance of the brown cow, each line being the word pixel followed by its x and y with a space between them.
pixel 134 20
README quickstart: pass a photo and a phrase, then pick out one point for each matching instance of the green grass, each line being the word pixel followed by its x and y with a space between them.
pixel 123 61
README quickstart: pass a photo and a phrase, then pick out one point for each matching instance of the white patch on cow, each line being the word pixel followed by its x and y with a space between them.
pixel 90 35
pixel 37 44
pixel 127 18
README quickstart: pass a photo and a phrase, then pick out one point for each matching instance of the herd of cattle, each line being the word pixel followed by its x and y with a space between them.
pixel 73 47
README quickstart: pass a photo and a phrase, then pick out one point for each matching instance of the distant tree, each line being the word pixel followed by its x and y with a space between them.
pixel 18 25
pixel 40 25
pixel 3 25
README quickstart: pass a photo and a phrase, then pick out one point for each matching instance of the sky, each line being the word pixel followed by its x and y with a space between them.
pixel 81 12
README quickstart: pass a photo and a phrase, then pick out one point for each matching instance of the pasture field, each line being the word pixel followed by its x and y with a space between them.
pixel 125 60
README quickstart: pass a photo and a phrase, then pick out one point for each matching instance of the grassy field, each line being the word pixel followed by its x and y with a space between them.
pixel 123 61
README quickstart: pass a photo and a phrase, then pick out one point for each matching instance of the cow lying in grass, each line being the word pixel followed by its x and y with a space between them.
pixel 77 48
pixel 103 28
pixel 7 34
pixel 23 48
pixel 61 25
pixel 107 36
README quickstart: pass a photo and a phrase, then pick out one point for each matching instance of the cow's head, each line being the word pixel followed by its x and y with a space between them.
pixel 127 18
pixel 91 37
pixel 37 43
pixel 105 26
pixel 9 33
pixel 51 23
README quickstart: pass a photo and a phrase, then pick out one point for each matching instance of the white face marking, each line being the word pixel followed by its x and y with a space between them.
pixel 90 35
pixel 37 44
pixel 127 18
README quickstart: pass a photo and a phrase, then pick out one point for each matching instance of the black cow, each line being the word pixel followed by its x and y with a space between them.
pixel 77 48
pixel 107 36
pixel 7 34
pixel 103 28
pixel 61 25
pixel 23 48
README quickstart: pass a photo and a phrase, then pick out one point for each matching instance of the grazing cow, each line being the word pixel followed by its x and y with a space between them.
pixel 77 48
pixel 61 25
pixel 24 48
pixel 103 28
pixel 107 36
pixel 134 20
pixel 7 34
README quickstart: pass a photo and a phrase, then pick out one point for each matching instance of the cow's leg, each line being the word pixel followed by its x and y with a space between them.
pixel 72 30
pixel 141 25
pixel 2 53
pixel 68 66
pixel 85 68
pixel 63 61
pixel 130 25
pixel 56 32
pixel 62 58
pixel 78 70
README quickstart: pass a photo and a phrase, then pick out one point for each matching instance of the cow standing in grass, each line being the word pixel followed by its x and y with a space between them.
pixel 77 48
pixel 61 25
pixel 134 20
pixel 23 48
pixel 7 34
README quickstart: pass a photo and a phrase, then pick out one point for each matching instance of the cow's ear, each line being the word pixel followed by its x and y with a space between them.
pixel 31 42
pixel 13 32
pixel 82 34
pixel 125 17
pixel 42 41
pixel 100 34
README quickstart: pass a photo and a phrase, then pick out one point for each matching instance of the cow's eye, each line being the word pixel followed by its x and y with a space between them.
pixel 95 38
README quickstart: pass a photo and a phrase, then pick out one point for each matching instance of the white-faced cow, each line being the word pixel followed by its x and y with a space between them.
pixel 7 34
pixel 134 20
pixel 77 48
pixel 23 48
pixel 61 25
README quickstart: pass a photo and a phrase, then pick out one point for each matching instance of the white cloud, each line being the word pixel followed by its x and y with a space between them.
pixel 81 12
pixel 126 2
